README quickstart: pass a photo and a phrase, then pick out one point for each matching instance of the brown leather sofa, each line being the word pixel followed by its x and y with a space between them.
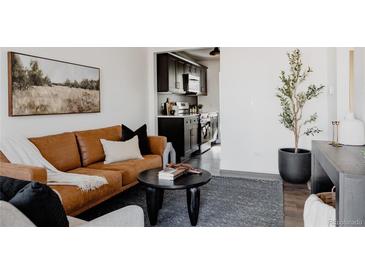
pixel 81 152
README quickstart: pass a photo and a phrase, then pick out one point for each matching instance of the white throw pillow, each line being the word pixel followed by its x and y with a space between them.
pixel 116 151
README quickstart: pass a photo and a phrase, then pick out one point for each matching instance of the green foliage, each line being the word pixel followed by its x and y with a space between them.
pixel 47 81
pixel 293 101
pixel 24 78
pixel 67 83
pixel 19 74
pixel 75 84
pixel 84 84
pixel 35 74
pixel 312 131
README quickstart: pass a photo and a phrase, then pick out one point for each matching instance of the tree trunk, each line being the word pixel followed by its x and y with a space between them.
pixel 296 141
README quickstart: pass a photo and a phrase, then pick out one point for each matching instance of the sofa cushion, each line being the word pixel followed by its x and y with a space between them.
pixel 60 150
pixel 131 168
pixel 117 151
pixel 112 177
pixel 75 201
pixel 90 146
pixel 143 143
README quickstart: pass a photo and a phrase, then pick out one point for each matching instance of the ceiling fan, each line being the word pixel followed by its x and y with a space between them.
pixel 215 51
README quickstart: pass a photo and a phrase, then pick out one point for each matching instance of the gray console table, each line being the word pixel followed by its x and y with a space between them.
pixel 343 167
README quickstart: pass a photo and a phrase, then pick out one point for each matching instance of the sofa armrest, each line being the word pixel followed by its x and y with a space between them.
pixel 10 216
pixel 157 144
pixel 23 172
pixel 129 216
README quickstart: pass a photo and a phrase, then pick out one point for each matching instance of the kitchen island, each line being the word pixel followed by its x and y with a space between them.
pixel 182 131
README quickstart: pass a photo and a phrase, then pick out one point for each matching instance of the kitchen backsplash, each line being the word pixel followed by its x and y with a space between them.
pixel 192 100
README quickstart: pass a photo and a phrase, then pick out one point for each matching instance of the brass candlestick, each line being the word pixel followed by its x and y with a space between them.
pixel 334 142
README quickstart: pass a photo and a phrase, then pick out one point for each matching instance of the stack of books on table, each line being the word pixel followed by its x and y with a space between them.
pixel 173 171
pixel 171 174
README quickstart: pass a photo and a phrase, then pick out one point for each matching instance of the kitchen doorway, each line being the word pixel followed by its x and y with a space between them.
pixel 188 86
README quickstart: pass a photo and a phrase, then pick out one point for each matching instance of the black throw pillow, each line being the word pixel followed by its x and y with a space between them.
pixel 143 143
pixel 9 187
pixel 2 197
pixel 35 200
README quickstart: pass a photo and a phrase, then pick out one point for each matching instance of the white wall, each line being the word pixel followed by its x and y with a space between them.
pixel 342 59
pixel 211 101
pixel 251 132
pixel 359 100
pixel 123 91
pixel 331 87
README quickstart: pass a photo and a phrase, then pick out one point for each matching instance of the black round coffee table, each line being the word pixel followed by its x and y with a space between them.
pixel 155 189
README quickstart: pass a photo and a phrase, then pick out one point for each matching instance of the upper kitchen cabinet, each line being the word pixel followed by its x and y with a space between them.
pixel 179 65
pixel 195 71
pixel 170 70
pixel 166 73
pixel 203 81
pixel 191 69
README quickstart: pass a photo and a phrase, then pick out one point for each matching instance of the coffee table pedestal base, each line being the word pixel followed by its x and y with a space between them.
pixel 154 197
pixel 193 201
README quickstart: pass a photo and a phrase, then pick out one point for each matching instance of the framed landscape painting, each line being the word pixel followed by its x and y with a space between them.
pixel 42 86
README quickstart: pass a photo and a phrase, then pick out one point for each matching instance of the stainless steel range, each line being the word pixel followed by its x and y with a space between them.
pixel 208 127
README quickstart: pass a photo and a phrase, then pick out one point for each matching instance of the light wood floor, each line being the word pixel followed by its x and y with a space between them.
pixel 294 195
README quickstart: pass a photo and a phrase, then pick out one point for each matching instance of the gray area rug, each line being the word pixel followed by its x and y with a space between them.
pixel 224 202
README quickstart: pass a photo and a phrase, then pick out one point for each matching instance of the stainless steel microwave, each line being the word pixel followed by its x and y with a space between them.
pixel 191 83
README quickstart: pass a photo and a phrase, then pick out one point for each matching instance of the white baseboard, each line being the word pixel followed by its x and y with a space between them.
pixel 250 175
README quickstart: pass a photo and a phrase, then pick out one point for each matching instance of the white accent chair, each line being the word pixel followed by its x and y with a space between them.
pixel 129 216
pixel 169 155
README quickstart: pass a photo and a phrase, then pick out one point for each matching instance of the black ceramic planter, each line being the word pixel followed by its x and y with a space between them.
pixel 295 167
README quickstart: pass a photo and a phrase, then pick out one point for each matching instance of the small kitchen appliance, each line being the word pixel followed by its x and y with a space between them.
pixel 182 108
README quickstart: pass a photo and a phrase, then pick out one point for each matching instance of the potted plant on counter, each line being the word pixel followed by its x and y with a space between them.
pixel 295 163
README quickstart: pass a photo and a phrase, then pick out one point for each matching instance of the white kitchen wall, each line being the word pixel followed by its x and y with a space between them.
pixel 211 101
pixel 123 91
pixel 251 133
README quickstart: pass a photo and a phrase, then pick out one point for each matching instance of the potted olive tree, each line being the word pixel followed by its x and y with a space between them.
pixel 295 163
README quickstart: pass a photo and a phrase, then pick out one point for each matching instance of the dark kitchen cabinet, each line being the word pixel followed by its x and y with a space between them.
pixel 187 68
pixel 172 73
pixel 166 73
pixel 191 135
pixel 195 71
pixel 191 69
pixel 170 70
pixel 179 71
pixel 203 81
pixel 182 132
pixel 194 133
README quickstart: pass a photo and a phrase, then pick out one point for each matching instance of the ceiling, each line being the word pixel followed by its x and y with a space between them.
pixel 201 54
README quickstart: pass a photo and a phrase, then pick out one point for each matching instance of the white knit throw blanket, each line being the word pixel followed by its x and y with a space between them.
pixel 317 213
pixel 21 151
